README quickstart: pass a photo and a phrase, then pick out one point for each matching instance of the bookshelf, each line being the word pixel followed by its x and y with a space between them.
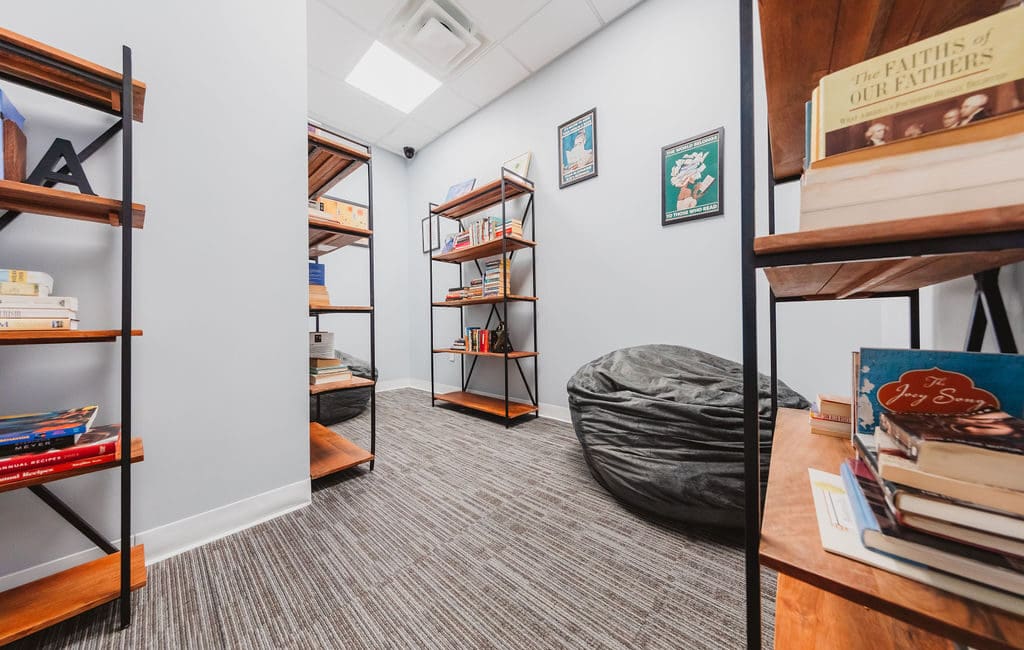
pixel 494 194
pixel 891 259
pixel 36 605
pixel 332 158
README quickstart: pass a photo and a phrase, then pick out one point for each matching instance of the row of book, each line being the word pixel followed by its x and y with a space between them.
pixel 928 129
pixel 495 282
pixel 324 366
pixel 482 231
pixel 318 294
pixel 476 339
pixel 40 444
pixel 26 303
pixel 937 483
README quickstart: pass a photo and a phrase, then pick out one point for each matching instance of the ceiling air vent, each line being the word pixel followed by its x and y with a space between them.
pixel 438 38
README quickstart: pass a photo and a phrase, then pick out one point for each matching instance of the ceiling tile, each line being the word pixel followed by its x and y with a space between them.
pixel 335 44
pixel 498 18
pixel 443 110
pixel 491 75
pixel 368 14
pixel 551 31
pixel 410 133
pixel 612 9
pixel 347 109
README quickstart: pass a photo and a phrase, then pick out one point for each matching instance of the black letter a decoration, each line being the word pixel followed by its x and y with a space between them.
pixel 72 172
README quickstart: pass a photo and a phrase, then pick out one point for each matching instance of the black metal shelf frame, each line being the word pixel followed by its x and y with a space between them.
pixel 529 214
pixel 988 307
pixel 124 126
pixel 372 311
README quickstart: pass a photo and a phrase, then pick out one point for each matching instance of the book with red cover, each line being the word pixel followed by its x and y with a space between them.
pixel 46 470
pixel 97 442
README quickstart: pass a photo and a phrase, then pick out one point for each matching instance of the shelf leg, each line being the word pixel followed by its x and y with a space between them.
pixel 73 518
pixel 126 337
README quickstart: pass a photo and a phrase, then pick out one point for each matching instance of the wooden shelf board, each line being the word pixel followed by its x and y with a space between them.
pixel 36 199
pixel 807 39
pixel 790 544
pixel 482 198
pixel 975 222
pixel 330 452
pixel 486 249
pixel 486 404
pixel 807 618
pixel 324 233
pixel 69 81
pixel 330 163
pixel 511 355
pixel 490 300
pixel 37 605
pixel 347 384
pixel 859 279
pixel 33 337
pixel 137 456
pixel 340 309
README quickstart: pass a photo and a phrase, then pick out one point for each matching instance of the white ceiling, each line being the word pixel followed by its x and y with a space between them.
pixel 522 36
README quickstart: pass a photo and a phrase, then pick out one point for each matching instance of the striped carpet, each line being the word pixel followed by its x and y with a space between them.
pixel 466 535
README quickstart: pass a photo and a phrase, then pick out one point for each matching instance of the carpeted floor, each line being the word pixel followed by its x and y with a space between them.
pixel 466 535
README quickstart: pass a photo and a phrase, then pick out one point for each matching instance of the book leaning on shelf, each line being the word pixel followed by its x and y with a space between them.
pixel 932 128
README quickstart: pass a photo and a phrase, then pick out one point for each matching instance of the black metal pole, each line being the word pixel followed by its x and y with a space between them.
pixel 126 336
pixel 751 422
pixel 773 336
pixel 915 319
pixel 992 299
pixel 533 271
pixel 430 302
pixel 506 280
pixel 373 315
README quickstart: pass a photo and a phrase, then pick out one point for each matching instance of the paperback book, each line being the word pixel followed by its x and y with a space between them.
pixel 95 442
pixel 40 426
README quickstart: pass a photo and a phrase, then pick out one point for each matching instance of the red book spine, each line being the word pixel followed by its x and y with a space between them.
pixel 46 470
pixel 43 459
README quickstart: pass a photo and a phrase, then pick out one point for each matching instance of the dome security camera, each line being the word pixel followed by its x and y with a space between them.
pixel 409 152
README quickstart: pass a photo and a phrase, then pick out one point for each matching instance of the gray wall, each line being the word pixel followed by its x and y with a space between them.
pixel 220 396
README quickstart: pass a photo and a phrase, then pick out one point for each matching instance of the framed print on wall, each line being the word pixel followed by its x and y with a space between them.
pixel 577 149
pixel 691 178
pixel 430 233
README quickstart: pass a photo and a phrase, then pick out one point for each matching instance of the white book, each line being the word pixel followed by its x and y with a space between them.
pixel 321 345
pixel 838 529
pixel 35 277
pixel 36 312
pixel 40 302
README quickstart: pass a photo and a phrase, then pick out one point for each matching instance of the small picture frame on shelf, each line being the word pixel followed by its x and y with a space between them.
pixel 520 165
pixel 430 233
pixel 691 178
pixel 577 149
pixel 457 190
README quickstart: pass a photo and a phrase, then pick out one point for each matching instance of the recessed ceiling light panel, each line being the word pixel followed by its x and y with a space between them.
pixel 387 76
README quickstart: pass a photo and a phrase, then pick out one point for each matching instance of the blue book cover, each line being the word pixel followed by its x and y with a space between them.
pixel 19 429
pixel 316 274
pixel 936 382
pixel 9 112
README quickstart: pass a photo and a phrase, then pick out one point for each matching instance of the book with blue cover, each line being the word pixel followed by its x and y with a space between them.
pixel 935 382
pixel 317 274
pixel 9 112
pixel 30 427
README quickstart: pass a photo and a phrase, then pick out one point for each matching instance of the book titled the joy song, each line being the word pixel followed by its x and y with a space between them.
pixel 935 382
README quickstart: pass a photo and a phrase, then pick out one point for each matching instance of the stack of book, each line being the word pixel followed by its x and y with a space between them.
pixel 496 277
pixel 477 340
pixel 832 416
pixel 456 293
pixel 938 481
pixel 26 303
pixel 40 444
pixel 487 229
pixel 933 128
pixel 327 371
pixel 459 344
pixel 317 288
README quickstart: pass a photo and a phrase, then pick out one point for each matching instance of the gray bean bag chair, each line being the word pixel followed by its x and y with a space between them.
pixel 344 404
pixel 662 429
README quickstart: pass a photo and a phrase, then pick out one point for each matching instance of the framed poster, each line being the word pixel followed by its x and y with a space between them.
pixel 691 178
pixel 430 233
pixel 577 149
pixel 519 165
pixel 457 190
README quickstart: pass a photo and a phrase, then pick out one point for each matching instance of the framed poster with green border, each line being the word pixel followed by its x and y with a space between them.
pixel 691 178
pixel 577 149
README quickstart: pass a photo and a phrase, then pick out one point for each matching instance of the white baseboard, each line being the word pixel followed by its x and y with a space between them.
pixel 393 384
pixel 549 411
pixel 179 536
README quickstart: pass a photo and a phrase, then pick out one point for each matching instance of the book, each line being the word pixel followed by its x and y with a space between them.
pixel 95 442
pixel 833 407
pixel 932 381
pixel 981 447
pixel 37 312
pixel 323 372
pixel 39 302
pixel 880 532
pixel 963 534
pixel 325 363
pixel 34 446
pixel 23 289
pixel 30 427
pixel 38 324
pixel 959 77
pixel 321 345
pixel 47 470
pixel 828 427
pixel 838 531
pixel 33 277
pixel 329 379
pixel 316 274
pixel 457 190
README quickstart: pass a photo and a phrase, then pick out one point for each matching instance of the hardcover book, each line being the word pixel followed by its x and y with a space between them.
pixel 40 426
pixel 95 442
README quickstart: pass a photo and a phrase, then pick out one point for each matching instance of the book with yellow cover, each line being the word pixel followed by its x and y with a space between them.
pixel 950 80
